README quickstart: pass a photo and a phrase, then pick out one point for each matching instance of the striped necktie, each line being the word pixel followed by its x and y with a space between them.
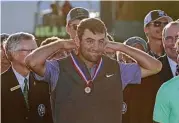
pixel 25 92
pixel 177 70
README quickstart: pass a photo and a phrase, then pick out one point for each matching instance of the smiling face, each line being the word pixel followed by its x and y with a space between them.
pixel 92 46
pixel 24 48
pixel 91 40
pixel 154 28
pixel 169 40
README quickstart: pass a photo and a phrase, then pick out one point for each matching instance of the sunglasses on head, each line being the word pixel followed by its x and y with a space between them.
pixel 159 23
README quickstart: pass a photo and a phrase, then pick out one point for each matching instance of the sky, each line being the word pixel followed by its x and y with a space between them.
pixel 90 5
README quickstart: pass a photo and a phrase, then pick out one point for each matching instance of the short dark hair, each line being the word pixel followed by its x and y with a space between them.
pixel 93 24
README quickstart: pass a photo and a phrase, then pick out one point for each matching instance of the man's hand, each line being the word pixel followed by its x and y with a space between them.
pixel 69 45
pixel 111 47
pixel 148 64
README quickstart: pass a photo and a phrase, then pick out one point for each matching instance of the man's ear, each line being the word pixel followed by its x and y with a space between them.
pixel 146 29
pixel 8 55
pixel 77 41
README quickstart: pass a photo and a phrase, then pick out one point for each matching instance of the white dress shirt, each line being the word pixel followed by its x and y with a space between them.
pixel 173 65
pixel 20 79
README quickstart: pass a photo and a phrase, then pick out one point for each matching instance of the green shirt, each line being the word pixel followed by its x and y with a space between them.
pixel 166 108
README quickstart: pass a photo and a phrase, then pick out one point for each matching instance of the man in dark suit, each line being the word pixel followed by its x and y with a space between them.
pixel 24 100
pixel 166 105
pixel 169 61
pixel 166 72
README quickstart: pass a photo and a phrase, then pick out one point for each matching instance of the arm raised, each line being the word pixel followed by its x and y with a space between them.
pixel 36 59
pixel 148 64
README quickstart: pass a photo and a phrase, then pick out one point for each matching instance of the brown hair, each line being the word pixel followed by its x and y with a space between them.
pixel 92 24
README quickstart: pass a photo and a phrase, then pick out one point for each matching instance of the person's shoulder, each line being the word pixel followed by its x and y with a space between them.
pixel 109 60
pixel 7 78
pixel 162 58
pixel 64 59
pixel 6 73
pixel 170 84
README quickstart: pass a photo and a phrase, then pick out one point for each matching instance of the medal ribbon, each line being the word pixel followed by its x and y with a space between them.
pixel 82 74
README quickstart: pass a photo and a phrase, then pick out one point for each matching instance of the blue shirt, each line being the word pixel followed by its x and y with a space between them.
pixel 130 73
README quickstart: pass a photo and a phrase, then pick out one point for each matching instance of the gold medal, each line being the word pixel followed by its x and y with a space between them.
pixel 87 90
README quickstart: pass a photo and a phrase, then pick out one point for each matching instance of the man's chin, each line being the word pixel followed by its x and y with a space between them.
pixel 158 38
pixel 95 59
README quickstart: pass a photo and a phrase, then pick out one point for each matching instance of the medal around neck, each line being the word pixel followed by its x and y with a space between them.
pixel 87 90
pixel 88 87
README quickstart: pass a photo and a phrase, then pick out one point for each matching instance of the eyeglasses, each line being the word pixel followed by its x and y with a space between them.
pixel 172 38
pixel 159 23
pixel 74 26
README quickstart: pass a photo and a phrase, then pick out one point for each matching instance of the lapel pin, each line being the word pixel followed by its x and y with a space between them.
pixel 15 87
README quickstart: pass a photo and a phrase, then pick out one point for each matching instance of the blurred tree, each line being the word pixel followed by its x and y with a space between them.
pixel 54 17
pixel 65 9
pixel 136 10
pixel 106 14
pixel 129 16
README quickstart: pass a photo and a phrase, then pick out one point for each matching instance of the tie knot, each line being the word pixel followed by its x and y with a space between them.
pixel 25 80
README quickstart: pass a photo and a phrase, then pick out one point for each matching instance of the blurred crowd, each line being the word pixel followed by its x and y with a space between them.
pixel 32 77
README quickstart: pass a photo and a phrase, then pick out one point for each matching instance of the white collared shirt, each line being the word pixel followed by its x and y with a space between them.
pixel 173 65
pixel 20 79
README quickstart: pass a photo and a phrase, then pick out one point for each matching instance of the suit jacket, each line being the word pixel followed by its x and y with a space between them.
pixel 13 105
pixel 140 99
pixel 166 72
